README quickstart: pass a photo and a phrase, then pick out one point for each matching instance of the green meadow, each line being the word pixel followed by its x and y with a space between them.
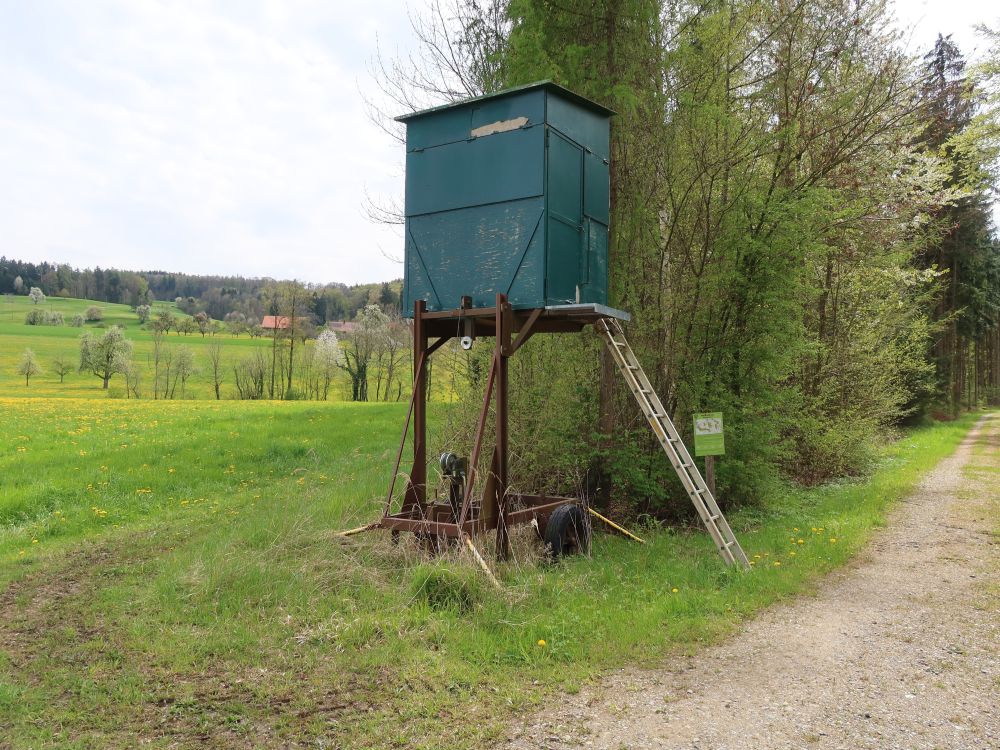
pixel 170 576
pixel 48 342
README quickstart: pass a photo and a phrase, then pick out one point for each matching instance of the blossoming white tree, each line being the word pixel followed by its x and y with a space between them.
pixel 106 355
pixel 327 357
pixel 28 366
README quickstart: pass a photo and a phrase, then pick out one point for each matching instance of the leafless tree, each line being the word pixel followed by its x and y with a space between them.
pixel 214 351
pixel 457 55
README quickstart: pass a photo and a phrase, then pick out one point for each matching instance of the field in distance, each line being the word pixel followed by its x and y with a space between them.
pixel 48 342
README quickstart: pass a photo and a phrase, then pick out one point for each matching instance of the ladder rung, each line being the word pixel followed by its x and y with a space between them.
pixel 637 381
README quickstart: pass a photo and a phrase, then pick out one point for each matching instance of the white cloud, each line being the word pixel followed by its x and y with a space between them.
pixel 923 20
pixel 223 137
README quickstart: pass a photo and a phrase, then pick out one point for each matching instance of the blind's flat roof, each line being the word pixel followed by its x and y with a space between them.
pixel 549 86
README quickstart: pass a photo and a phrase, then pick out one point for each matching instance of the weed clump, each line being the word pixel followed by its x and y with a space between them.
pixel 443 588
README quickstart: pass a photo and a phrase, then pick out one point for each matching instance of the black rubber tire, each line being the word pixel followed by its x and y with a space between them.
pixel 567 532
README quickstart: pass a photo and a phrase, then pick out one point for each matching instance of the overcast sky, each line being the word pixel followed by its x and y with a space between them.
pixel 223 136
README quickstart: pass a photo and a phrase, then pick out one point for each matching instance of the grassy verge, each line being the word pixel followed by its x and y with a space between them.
pixel 241 621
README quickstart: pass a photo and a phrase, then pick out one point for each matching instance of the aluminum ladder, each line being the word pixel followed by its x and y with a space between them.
pixel 670 440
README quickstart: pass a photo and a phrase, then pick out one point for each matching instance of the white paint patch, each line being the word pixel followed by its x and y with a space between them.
pixel 500 126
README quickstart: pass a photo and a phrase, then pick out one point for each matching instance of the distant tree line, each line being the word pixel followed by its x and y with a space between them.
pixel 216 296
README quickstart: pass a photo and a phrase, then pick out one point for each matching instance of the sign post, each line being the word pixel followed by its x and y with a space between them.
pixel 709 441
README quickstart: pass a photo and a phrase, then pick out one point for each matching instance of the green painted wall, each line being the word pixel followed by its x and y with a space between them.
pixel 507 193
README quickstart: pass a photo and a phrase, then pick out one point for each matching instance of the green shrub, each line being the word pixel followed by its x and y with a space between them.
pixel 827 448
pixel 447 588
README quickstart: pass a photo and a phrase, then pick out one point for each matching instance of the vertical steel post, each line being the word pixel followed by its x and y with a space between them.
pixel 503 334
pixel 418 474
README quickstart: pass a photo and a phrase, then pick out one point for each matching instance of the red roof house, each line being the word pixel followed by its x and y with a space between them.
pixel 274 322
pixel 339 326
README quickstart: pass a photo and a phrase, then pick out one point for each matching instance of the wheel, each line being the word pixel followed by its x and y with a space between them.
pixel 567 532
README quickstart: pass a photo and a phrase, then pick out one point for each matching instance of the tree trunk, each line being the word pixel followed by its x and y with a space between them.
pixel 274 358
pixel 291 354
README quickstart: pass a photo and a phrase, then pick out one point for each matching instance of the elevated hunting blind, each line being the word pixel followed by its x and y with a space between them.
pixel 507 216
pixel 508 194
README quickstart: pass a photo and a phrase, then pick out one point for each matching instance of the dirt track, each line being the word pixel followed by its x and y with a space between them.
pixel 899 651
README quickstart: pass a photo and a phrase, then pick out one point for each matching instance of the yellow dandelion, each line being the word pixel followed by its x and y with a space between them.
pixel 833 540
pixel 800 542
pixel 541 643
pixel 675 590
pixel 776 563
pixel 34 541
pixel 792 553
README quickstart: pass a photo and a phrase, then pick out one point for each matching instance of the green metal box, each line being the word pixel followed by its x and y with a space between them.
pixel 507 193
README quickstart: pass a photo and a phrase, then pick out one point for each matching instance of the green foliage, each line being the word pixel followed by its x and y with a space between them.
pixel 106 355
pixel 962 127
pixel 38 317
pixel 447 587
pixel 772 225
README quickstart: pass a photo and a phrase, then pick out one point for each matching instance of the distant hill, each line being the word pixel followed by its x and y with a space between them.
pixel 216 295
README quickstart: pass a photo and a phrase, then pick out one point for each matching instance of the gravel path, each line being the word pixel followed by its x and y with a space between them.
pixel 898 651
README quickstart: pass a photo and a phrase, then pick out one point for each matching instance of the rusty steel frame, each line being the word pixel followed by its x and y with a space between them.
pixel 434 521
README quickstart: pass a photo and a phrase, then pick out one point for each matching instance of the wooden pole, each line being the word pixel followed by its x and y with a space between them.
pixel 710 474
pixel 613 525
pixel 482 563
pixel 503 333
pixel 418 474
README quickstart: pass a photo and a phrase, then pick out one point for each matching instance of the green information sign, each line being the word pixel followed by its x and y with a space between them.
pixel 708 436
